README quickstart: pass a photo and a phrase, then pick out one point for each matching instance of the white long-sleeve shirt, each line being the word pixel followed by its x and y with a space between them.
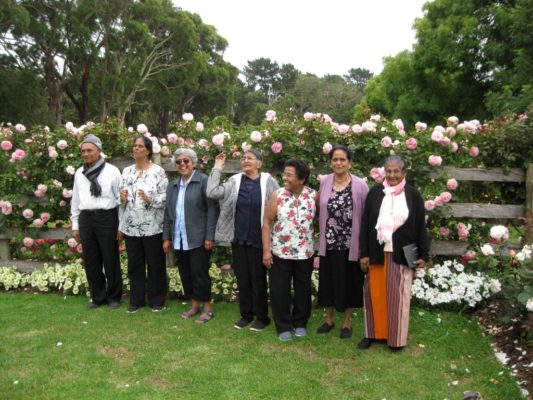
pixel 109 179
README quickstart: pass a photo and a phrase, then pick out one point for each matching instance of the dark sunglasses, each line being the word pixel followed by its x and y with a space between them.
pixel 184 161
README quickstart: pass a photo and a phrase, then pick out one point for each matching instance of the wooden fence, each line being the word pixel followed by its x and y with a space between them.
pixel 438 247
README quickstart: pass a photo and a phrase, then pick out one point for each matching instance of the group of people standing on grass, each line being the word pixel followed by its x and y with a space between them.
pixel 362 235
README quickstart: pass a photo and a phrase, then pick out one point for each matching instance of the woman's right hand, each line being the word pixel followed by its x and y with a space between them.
pixel 167 245
pixel 267 259
pixel 220 160
pixel 364 263
pixel 124 195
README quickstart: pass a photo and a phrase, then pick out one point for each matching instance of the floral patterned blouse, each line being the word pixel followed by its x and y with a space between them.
pixel 292 233
pixel 339 224
pixel 138 218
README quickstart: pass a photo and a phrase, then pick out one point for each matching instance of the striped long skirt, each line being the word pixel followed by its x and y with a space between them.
pixel 387 298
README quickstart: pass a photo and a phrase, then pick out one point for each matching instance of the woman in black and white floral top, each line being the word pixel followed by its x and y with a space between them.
pixel 142 200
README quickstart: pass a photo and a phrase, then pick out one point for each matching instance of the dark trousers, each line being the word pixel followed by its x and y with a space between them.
pixel 251 282
pixel 340 281
pixel 147 270
pixel 98 234
pixel 193 266
pixel 282 273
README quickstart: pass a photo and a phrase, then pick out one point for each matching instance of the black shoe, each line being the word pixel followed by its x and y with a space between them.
pixel 92 306
pixel 365 343
pixel 114 305
pixel 157 309
pixel 243 322
pixel 346 333
pixel 131 309
pixel 325 328
pixel 395 349
pixel 259 325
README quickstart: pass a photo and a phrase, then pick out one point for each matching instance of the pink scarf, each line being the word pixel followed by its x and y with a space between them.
pixel 385 223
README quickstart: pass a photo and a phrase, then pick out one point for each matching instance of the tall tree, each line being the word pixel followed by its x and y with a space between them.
pixel 359 77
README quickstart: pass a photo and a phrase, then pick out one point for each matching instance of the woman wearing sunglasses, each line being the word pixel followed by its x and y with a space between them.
pixel 189 229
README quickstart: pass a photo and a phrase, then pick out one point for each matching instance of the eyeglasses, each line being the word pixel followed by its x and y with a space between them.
pixel 184 161
pixel 248 159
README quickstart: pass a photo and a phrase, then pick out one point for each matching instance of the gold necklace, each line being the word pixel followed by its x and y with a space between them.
pixel 338 186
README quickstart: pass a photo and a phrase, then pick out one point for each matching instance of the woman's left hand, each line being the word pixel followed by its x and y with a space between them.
pixel 208 245
pixel 420 263
pixel 147 199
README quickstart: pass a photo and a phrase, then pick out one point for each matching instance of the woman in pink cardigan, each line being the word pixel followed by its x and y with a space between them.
pixel 342 199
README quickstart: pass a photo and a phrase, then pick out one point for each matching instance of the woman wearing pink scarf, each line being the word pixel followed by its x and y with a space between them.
pixel 394 217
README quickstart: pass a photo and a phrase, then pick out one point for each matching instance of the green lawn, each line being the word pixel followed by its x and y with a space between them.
pixel 107 354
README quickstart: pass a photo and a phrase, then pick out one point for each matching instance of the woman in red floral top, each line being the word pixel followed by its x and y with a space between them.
pixel 288 249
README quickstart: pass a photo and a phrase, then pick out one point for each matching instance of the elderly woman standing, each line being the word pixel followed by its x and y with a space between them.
pixel 394 217
pixel 288 250
pixel 342 199
pixel 189 228
pixel 142 202
pixel 243 198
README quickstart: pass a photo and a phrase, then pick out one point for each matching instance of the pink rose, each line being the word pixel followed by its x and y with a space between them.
pixel 435 161
pixel 522 117
pixel 398 124
pixel 205 159
pixel 375 117
pixel 437 136
pixel 411 143
pixel 27 213
pixel 42 187
pixel 142 129
pixel 187 117
pixel 180 141
pixel 67 194
pixel 28 241
pixel 62 144
pixel 172 138
pixel 378 174
pixel 327 148
pixel 199 127
pixel 474 151
pixel 18 155
pixel 270 115
pixel 421 126
pixel 444 231
pixel 343 129
pixel 308 116
pixel 369 126
pixel 445 141
pixel 446 196
pixel 45 217
pixel 276 147
pixel 468 256
pixel 62 203
pixel 20 128
pixel 454 147
pixel 255 136
pixel 245 147
pixel 327 119
pixel 439 201
pixel 429 205
pixel 218 140
pixel 6 145
pixel 38 193
pixel 453 120
pixel 72 243
pixel 357 128
pixel 451 131
pixel 130 129
pixel 7 207
pixel 53 154
pixel 203 143
pixel 38 222
pixel 386 141
pixel 452 184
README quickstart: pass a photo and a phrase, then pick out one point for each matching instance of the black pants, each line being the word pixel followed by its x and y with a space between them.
pixel 147 270
pixel 282 273
pixel 193 266
pixel 251 281
pixel 340 281
pixel 98 234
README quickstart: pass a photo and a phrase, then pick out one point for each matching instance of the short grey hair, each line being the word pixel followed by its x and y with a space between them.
pixel 398 159
pixel 187 152
pixel 256 153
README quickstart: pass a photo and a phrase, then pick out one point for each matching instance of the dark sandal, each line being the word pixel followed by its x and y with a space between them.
pixel 209 315
pixel 190 313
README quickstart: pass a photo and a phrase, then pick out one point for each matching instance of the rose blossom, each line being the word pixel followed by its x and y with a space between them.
pixel 437 136
pixel 7 207
pixel 453 120
pixel 18 155
pixel 255 136
pixel 487 250
pixel 445 141
pixel 439 201
pixel 357 128
pixel 327 148
pixel 72 243
pixel 53 154
pixel 429 205
pixel 276 147
pixel 270 115
pixel 203 143
pixel 369 126
pixel 38 193
pixel 452 184
pixel 495 286
pixel 444 231
pixel 245 147
pixel 69 126
pixel 187 117
pixel 62 144
pixel 45 217
pixel 70 170
pixel 62 203
pixel 463 233
pixel 474 151
pixel 398 123
pixel 378 174
pixel 6 145
pixel 218 140
pixel 469 255
pixel 156 148
pixel 309 116
pixel 499 232
pixel 172 138
pixel 421 126
pixel 446 196
pixel 435 161
pixel 375 117
pixel 20 128
pixel 142 129
pixel 386 141
pixel 411 143
pixel 199 127
pixel 28 242
pixel 130 129
pixel 27 213
pixel 38 223
pixel 451 131
pixel 67 194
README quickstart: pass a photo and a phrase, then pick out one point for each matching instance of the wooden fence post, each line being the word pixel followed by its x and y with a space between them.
pixel 529 204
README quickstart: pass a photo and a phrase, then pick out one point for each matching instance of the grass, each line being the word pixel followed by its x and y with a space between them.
pixel 109 354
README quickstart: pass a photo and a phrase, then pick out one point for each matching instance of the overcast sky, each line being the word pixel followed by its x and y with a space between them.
pixel 320 37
